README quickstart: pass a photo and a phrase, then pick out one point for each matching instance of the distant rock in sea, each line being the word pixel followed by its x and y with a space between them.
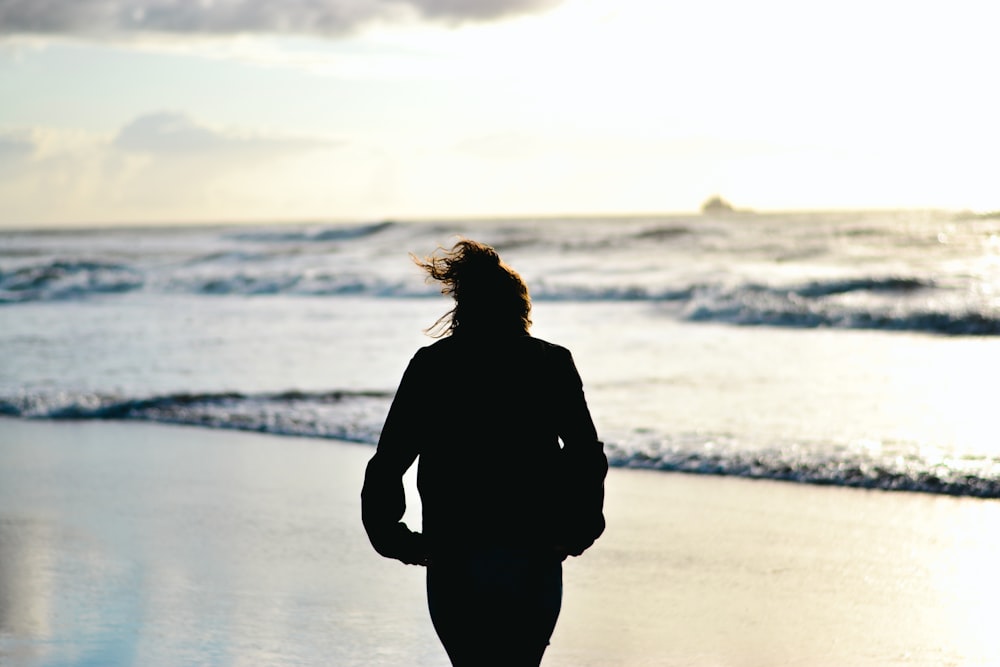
pixel 717 204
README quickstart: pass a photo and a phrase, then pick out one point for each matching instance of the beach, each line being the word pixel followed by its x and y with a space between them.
pixel 146 544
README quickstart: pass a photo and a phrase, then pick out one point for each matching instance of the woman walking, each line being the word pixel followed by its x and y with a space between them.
pixel 511 471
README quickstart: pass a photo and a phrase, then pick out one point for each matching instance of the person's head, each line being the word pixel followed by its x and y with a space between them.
pixel 491 299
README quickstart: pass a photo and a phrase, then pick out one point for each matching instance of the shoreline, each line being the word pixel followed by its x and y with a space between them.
pixel 752 466
pixel 143 543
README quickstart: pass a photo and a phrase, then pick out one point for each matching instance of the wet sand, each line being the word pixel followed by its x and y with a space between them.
pixel 142 544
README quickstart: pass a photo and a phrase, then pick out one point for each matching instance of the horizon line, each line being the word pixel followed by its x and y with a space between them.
pixel 83 225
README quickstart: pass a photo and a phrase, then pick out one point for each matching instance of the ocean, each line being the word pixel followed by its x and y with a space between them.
pixel 849 348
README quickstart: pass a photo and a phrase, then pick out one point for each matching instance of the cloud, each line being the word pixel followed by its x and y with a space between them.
pixel 224 17
pixel 170 133
pixel 16 144
pixel 176 134
pixel 479 10
pixel 170 166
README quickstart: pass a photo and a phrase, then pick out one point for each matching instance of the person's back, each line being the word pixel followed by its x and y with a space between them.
pixel 510 468
pixel 491 475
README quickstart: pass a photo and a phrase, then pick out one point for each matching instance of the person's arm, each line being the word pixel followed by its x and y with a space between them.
pixel 383 500
pixel 584 463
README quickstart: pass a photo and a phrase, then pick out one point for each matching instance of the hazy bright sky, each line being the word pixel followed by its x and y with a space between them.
pixel 212 110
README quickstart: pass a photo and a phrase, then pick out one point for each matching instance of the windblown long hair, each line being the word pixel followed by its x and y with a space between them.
pixel 491 299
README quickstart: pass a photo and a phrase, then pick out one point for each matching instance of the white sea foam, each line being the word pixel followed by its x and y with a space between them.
pixel 357 417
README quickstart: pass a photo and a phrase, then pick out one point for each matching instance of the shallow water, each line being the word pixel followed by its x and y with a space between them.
pixel 145 545
pixel 137 545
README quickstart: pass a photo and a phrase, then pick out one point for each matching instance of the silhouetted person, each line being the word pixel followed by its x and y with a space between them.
pixel 485 408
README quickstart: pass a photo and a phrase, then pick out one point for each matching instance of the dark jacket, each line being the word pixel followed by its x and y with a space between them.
pixel 486 417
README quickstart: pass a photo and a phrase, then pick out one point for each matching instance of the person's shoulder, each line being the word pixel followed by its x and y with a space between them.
pixel 547 347
pixel 449 346
pixel 439 348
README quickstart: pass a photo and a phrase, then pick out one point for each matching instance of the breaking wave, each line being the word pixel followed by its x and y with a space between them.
pixel 847 467
pixel 358 417
pixel 884 284
pixel 354 416
pixel 879 304
pixel 66 279
pixel 890 303
pixel 319 234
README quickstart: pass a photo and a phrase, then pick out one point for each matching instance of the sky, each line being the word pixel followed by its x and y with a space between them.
pixel 175 111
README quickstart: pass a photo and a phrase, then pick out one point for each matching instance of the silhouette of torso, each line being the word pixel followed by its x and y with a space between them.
pixel 486 417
